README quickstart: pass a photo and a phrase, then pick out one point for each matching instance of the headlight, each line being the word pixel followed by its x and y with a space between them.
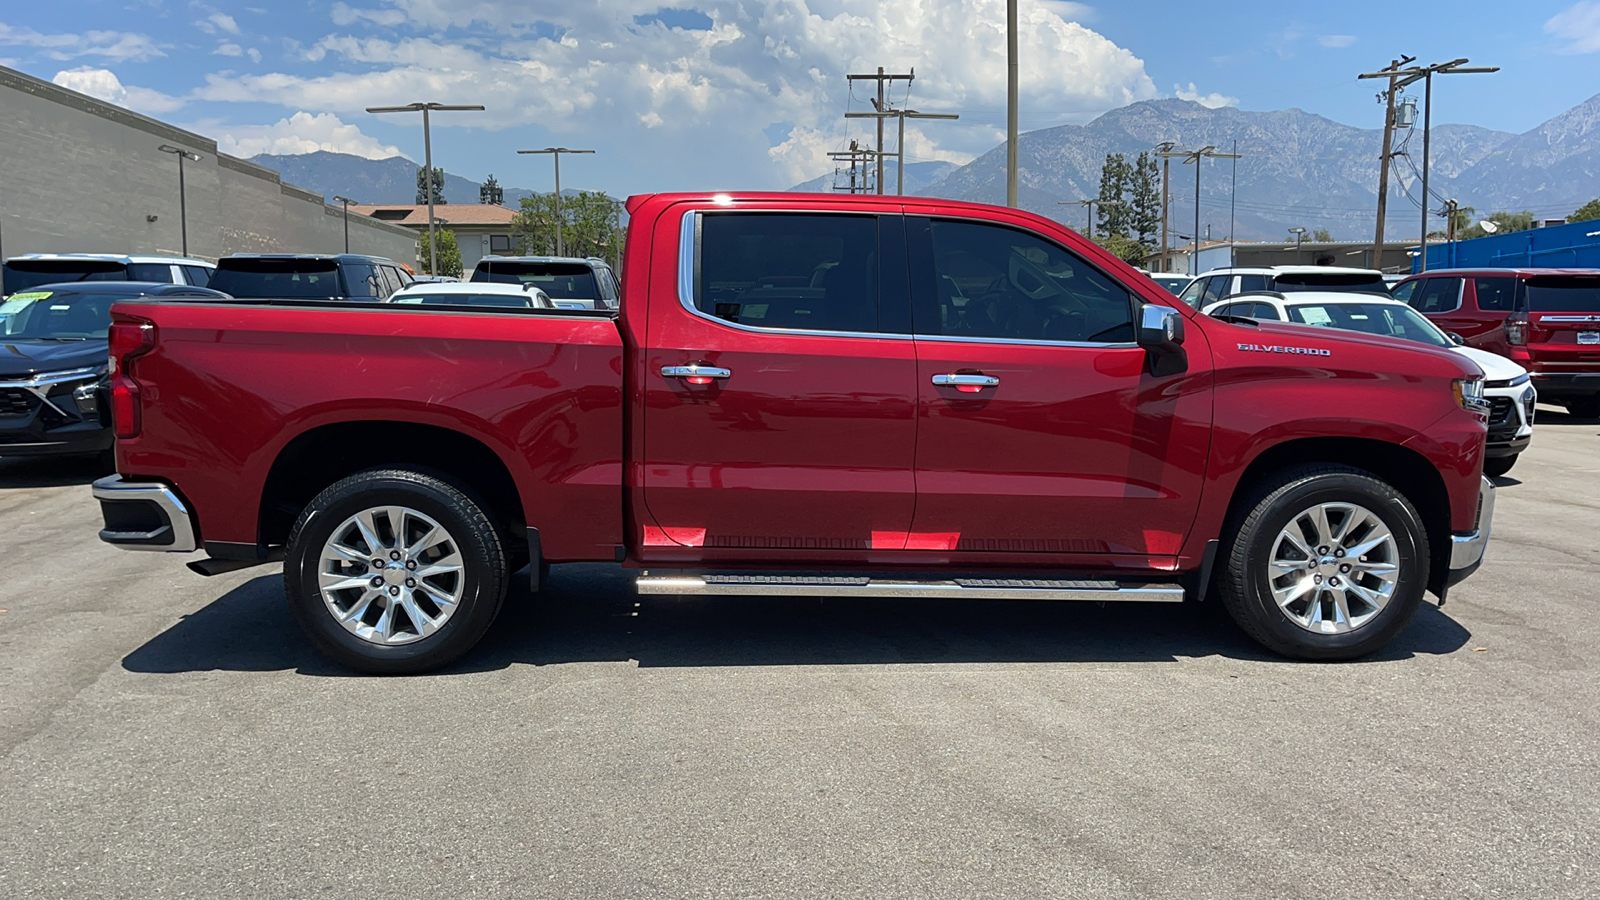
pixel 1469 394
pixel 1510 383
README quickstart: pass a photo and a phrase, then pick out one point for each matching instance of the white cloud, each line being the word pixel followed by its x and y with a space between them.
pixel 103 84
pixel 229 49
pixel 1337 41
pixel 113 45
pixel 585 69
pixel 254 54
pixel 1578 27
pixel 302 132
pixel 1212 100
pixel 218 22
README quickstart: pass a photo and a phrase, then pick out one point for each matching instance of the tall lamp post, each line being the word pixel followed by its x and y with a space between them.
pixel 1299 233
pixel 555 153
pixel 1194 156
pixel 427 159
pixel 1011 103
pixel 183 202
pixel 346 201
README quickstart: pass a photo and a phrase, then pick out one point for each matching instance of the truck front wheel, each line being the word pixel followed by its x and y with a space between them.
pixel 394 572
pixel 1330 563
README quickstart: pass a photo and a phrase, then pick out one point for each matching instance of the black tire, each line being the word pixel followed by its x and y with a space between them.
pixel 1244 581
pixel 1498 466
pixel 484 571
pixel 1584 407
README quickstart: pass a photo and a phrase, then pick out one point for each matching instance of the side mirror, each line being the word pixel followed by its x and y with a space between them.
pixel 1456 339
pixel 1160 333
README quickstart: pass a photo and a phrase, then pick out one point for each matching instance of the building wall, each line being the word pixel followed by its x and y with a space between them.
pixel 80 175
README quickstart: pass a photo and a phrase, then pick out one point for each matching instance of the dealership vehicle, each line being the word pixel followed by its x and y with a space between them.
pixel 1508 389
pixel 1545 320
pixel 806 395
pixel 53 363
pixel 1172 284
pixel 309 276
pixel 1218 284
pixel 572 282
pixel 459 293
pixel 21 273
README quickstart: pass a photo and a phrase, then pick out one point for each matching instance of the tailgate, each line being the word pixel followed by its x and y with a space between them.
pixel 1564 322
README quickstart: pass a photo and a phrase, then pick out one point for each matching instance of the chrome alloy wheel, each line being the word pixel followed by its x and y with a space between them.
pixel 391 575
pixel 1334 567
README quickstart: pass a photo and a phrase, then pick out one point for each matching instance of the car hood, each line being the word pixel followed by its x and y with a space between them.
pixel 21 359
pixel 1494 366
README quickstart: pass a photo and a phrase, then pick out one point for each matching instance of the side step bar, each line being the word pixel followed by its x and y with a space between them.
pixel 891 586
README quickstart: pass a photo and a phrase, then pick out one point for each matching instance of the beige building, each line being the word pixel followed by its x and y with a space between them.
pixel 78 175
pixel 480 230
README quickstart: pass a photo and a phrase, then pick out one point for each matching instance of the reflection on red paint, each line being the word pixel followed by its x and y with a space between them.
pixel 674 537
pixel 698 379
pixel 932 540
pixel 969 388
pixel 888 540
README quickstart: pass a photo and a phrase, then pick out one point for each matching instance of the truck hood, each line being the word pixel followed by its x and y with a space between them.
pixel 23 359
pixel 1274 334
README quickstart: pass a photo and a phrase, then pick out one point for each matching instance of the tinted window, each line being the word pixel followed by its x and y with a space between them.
pixel 1437 295
pixel 1496 294
pixel 197 275
pixel 1386 319
pixel 996 282
pixel 812 272
pixel 291 279
pixel 150 272
pixel 502 300
pixel 1564 293
pixel 1265 311
pixel 1248 283
pixel 1191 294
pixel 1331 281
pixel 1216 289
pixel 362 281
pixel 561 280
pixel 42 315
pixel 24 273
pixel 1404 292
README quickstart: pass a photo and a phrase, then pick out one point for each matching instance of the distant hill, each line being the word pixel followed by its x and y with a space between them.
pixel 392 180
pixel 919 177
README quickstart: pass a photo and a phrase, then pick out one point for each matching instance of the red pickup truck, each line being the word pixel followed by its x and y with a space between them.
pixel 804 395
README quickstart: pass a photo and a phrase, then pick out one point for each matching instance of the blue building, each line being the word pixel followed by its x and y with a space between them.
pixel 1574 245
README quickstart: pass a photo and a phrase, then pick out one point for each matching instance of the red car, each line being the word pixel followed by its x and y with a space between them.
pixel 1545 320
pixel 804 395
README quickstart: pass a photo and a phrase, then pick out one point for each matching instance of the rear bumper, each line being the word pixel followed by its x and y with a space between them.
pixel 1552 385
pixel 144 515
pixel 1466 550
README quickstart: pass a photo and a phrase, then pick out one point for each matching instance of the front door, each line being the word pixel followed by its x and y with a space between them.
pixel 780 393
pixel 1041 430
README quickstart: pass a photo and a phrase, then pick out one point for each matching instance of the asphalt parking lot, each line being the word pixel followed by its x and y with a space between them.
pixel 167 735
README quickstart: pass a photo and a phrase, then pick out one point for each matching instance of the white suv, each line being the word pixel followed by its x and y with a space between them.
pixel 33 269
pixel 1506 385
pixel 1219 284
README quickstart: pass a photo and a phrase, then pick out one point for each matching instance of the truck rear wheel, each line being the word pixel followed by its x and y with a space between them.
pixel 1331 563
pixel 394 572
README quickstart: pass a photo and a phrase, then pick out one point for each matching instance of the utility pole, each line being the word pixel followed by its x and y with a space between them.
pixel 881 104
pixel 864 156
pixel 1399 78
pixel 427 161
pixel 900 147
pixel 1384 156
pixel 555 153
pixel 1166 152
pixel 1011 103
pixel 1088 206
pixel 1195 157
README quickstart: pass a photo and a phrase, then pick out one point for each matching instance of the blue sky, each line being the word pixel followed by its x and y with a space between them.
pixel 750 93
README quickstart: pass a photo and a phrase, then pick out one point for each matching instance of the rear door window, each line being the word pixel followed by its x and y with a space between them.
pixel 361 280
pixel 1216 289
pixel 1249 283
pixel 1437 295
pixel 1496 294
pixel 787 271
pixel 199 276
pixel 161 272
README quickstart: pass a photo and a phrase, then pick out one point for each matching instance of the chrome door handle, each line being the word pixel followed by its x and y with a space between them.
pixel 966 381
pixel 696 373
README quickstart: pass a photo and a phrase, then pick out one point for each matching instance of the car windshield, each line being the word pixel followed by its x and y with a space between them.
pixel 1343 282
pixel 55 316
pixel 22 274
pixel 453 299
pixel 1564 293
pixel 1387 319
pixel 294 279
pixel 562 281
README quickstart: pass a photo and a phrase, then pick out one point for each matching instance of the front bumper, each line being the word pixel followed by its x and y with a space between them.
pixel 41 416
pixel 1466 550
pixel 144 515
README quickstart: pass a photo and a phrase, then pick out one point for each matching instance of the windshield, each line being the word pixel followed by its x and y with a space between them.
pixel 1343 282
pixel 1387 319
pixel 562 281
pixel 1564 293
pixel 289 279
pixel 22 274
pixel 52 316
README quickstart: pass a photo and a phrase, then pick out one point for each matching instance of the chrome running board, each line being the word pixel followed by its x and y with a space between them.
pixel 900 586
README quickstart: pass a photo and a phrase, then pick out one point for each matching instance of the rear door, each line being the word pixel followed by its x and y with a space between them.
pixel 1041 431
pixel 779 389
pixel 1564 322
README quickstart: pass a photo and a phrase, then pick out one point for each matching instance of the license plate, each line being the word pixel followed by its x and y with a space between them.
pixel 1589 337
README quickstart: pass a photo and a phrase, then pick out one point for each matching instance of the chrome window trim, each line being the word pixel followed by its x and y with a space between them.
pixel 1019 342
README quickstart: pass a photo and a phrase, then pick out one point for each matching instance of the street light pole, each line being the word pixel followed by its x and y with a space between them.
pixel 346 201
pixel 183 201
pixel 1011 103
pixel 555 153
pixel 427 158
pixel 1194 157
pixel 1299 233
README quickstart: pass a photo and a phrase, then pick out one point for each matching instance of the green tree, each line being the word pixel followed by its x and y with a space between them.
pixel 1508 222
pixel 1322 234
pixel 1587 212
pixel 591 225
pixel 1113 209
pixel 1124 248
pixel 490 193
pixel 1144 200
pixel 438 185
pixel 449 253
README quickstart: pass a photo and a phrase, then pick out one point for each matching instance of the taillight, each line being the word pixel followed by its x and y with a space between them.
pixel 1517 329
pixel 130 338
